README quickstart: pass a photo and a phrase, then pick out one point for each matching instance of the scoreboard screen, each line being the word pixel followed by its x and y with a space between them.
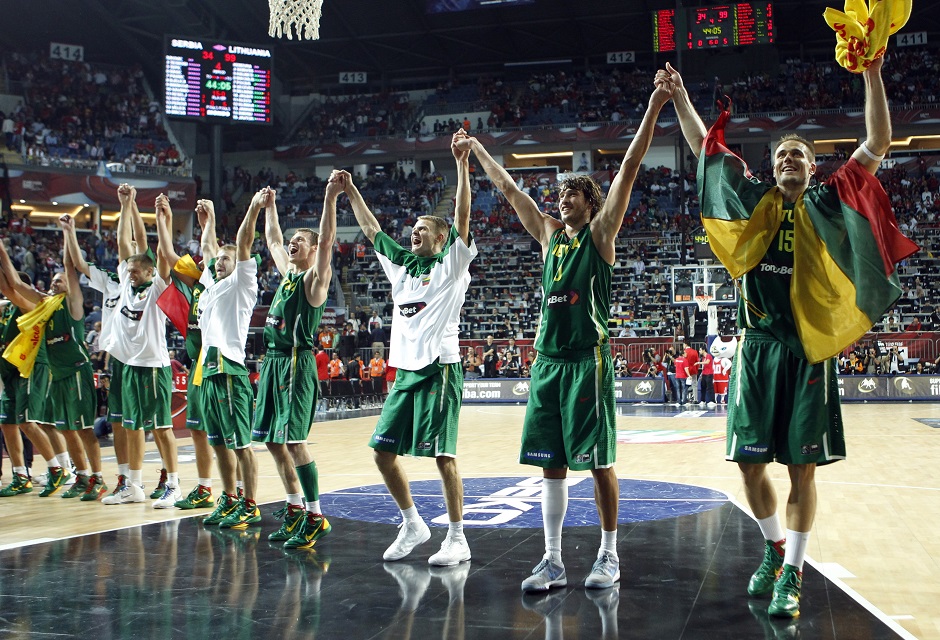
pixel 217 81
pixel 730 25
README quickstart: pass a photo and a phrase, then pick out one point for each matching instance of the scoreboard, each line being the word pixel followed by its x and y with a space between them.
pixel 730 25
pixel 217 81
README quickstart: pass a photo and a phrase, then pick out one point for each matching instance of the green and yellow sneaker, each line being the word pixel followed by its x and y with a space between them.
pixel 57 476
pixel 243 515
pixel 786 600
pixel 292 516
pixel 224 506
pixel 161 486
pixel 96 489
pixel 78 487
pixel 314 527
pixel 20 484
pixel 198 498
pixel 762 582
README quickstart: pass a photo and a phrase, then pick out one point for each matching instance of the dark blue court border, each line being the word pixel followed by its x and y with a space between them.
pixel 513 502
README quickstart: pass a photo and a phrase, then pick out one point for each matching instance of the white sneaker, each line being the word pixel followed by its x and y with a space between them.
pixel 410 535
pixel 453 551
pixel 545 575
pixel 169 498
pixel 604 574
pixel 130 493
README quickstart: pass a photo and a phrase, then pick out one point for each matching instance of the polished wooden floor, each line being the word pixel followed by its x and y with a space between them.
pixel 874 539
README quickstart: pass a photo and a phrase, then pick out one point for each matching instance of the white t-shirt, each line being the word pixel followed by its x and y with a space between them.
pixel 101 280
pixel 225 309
pixel 139 336
pixel 426 317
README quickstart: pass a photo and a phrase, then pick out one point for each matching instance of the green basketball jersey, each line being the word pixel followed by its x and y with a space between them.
pixel 8 333
pixel 193 332
pixel 291 321
pixel 65 343
pixel 765 300
pixel 575 295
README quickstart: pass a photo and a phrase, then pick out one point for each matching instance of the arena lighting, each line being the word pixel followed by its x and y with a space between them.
pixel 112 217
pixel 905 142
pixel 536 62
pixel 836 141
pixel 556 154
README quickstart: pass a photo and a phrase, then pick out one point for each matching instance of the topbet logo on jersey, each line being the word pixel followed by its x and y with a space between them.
pixel 411 310
pixel 563 299
pixel 275 322
pixel 133 315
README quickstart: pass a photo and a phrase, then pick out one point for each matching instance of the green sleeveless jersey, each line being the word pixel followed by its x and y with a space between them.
pixel 65 343
pixel 291 321
pixel 8 333
pixel 765 300
pixel 193 332
pixel 575 296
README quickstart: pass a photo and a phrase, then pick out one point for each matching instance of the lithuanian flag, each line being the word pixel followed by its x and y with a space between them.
pixel 846 242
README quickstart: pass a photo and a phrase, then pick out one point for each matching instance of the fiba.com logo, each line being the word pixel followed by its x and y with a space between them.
pixel 644 388
pixel 520 389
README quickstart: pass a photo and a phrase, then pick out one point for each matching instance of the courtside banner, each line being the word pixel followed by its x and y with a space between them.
pixel 885 388
pixel 517 390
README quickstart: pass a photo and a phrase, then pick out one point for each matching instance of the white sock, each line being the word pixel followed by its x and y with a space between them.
pixel 294 499
pixel 173 479
pixel 410 514
pixel 20 470
pixel 313 506
pixel 53 462
pixel 81 472
pixel 455 530
pixel 64 461
pixel 554 507
pixel 98 475
pixel 240 484
pixel 795 552
pixel 771 528
pixel 136 477
pixel 205 482
pixel 124 470
pixel 608 543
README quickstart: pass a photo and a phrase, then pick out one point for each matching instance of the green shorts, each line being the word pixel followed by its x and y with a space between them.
pixel 421 413
pixel 781 407
pixel 226 410
pixel 25 399
pixel 74 400
pixel 570 419
pixel 194 405
pixel 146 393
pixel 114 391
pixel 288 390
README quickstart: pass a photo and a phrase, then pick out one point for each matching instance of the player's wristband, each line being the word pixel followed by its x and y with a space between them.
pixel 868 152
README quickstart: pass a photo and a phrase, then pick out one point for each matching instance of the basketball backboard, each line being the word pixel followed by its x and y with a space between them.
pixel 694 280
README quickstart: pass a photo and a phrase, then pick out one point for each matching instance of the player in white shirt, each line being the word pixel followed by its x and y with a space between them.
pixel 139 341
pixel 429 285
pixel 108 284
pixel 225 308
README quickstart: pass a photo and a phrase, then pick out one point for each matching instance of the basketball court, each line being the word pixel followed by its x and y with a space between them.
pixel 687 548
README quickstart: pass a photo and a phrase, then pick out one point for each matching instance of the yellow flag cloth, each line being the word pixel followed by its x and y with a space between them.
pixel 863 29
pixel 23 349
pixel 197 370
pixel 187 266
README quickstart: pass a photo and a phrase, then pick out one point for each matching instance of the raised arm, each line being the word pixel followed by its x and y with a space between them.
pixel 877 119
pixel 246 230
pixel 76 300
pixel 140 230
pixel 72 251
pixel 18 292
pixel 166 255
pixel 366 219
pixel 273 234
pixel 125 226
pixel 539 225
pixel 205 214
pixel 317 280
pixel 462 208
pixel 606 224
pixel 692 126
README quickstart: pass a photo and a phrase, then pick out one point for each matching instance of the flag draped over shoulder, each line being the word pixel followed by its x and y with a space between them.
pixel 846 242
pixel 176 299
pixel 863 29
pixel 23 349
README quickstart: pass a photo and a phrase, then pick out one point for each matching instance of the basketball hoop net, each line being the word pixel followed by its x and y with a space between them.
pixel 702 302
pixel 300 16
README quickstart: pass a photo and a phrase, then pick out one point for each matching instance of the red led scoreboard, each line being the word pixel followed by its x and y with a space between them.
pixel 217 81
pixel 730 25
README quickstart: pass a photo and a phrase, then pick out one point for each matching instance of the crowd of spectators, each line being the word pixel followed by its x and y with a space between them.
pixel 338 118
pixel 75 112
